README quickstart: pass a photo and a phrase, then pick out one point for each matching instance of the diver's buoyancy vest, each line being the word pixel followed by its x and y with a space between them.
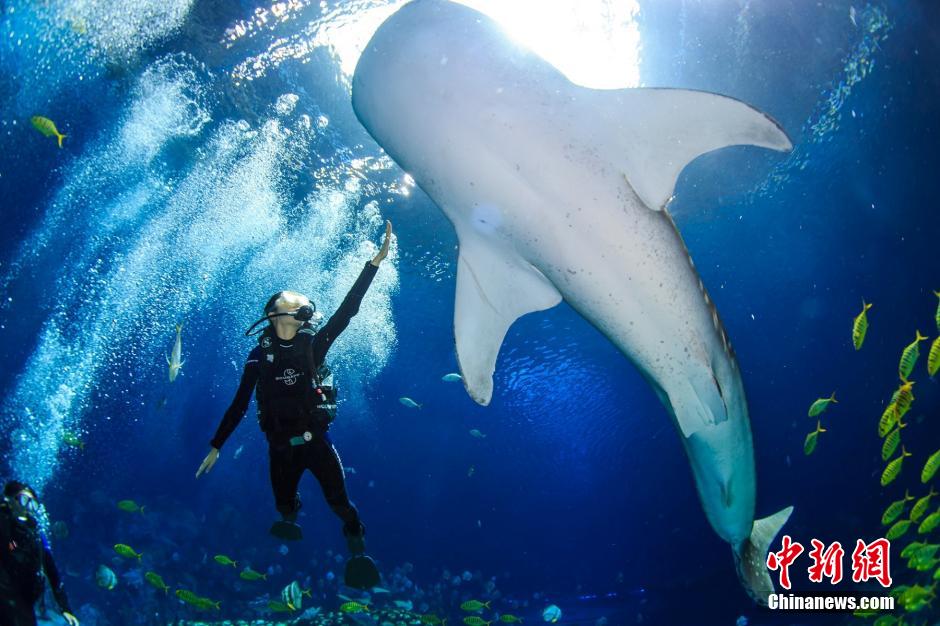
pixel 290 400
pixel 21 556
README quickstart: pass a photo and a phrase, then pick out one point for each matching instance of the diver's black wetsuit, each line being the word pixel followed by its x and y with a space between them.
pixel 26 554
pixel 285 366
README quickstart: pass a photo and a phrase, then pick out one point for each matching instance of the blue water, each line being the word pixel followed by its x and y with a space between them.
pixel 212 157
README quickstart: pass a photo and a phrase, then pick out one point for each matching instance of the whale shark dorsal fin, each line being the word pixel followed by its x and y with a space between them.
pixel 652 134
pixel 495 287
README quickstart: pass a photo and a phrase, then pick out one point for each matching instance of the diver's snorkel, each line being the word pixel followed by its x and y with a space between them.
pixel 305 313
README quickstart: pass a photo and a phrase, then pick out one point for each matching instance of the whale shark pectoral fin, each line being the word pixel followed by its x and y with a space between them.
pixel 654 133
pixel 494 288
pixel 750 558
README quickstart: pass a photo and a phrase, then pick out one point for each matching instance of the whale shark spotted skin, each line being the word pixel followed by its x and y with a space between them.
pixel 559 192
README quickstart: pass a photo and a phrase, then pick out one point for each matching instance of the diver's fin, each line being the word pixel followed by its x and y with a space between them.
pixel 652 134
pixel 361 573
pixel 288 531
pixel 750 559
pixel 495 286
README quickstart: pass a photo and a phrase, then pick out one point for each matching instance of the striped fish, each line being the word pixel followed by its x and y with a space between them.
pixel 47 127
pixel 173 361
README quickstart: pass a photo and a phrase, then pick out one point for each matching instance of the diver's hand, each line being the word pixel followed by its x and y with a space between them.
pixel 71 619
pixel 208 462
pixel 384 251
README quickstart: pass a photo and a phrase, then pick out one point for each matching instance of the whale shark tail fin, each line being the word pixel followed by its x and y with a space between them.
pixel 750 558
pixel 654 133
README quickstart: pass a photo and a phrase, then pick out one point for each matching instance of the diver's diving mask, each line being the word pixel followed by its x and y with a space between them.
pixel 27 505
pixel 307 313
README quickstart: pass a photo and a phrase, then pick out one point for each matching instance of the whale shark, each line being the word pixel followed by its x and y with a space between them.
pixel 557 191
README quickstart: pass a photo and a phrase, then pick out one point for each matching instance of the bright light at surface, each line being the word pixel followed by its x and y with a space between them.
pixel 595 43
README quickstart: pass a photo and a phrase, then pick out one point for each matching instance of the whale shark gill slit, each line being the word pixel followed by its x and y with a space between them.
pixel 725 487
pixel 718 386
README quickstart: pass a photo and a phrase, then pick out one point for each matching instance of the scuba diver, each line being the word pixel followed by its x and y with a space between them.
pixel 296 400
pixel 26 558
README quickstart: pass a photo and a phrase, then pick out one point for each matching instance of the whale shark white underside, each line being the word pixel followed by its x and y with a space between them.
pixel 558 192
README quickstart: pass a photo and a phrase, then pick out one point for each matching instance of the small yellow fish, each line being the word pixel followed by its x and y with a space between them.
pixel 923 559
pixel 903 398
pixel 891 442
pixel 250 574
pixel 810 444
pixel 821 405
pixel 909 356
pixel 888 418
pixel 920 507
pixel 885 620
pixel 916 598
pixel 933 357
pixel 860 327
pixel 937 314
pixel 510 619
pixel 221 559
pixel 898 530
pixel 206 604
pixel 474 605
pixel 47 127
pixel 353 607
pixel 895 509
pixel 911 549
pixel 188 597
pixel 126 550
pixel 129 506
pixel 930 467
pixel 71 439
pixel 894 468
pixel 279 607
pixel 473 620
pixel 79 26
pixel 930 523
pixel 156 580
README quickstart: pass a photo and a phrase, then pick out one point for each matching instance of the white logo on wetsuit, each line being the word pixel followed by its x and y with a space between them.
pixel 289 377
pixel 266 342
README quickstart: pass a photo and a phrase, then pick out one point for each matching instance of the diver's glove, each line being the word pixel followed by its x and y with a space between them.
pixel 208 462
pixel 383 251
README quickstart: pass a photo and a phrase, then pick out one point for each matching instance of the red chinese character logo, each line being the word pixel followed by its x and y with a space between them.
pixel 783 559
pixel 872 561
pixel 826 563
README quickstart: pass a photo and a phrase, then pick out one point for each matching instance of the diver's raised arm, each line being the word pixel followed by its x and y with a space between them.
pixel 383 252
pixel 350 306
